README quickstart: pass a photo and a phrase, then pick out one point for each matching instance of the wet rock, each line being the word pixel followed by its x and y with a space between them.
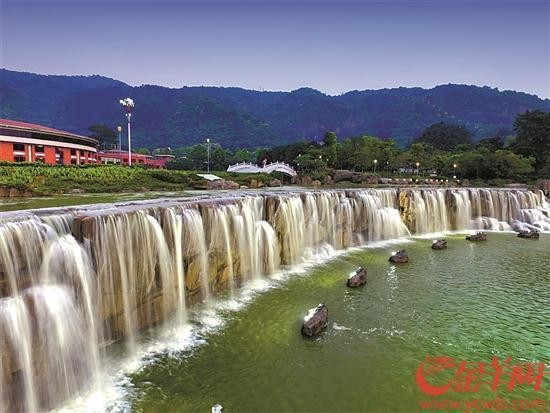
pixel 478 236
pixel 316 183
pixel 543 185
pixel 529 234
pixel 222 184
pixel 342 175
pixel 274 182
pixel 399 257
pixel 357 278
pixel 440 244
pixel 315 321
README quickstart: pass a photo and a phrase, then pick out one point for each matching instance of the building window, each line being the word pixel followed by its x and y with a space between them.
pixel 73 152
pixel 73 162
pixel 19 147
pixel 19 159
pixel 40 160
pixel 39 149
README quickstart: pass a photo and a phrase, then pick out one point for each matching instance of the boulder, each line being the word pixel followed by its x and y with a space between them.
pixel 315 321
pixel 399 257
pixel 231 185
pixel 439 244
pixel 357 278
pixel 275 182
pixel 222 184
pixel 543 185
pixel 316 183
pixel 478 236
pixel 342 175
pixel 529 234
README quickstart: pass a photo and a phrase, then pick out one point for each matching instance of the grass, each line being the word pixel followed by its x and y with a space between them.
pixel 43 179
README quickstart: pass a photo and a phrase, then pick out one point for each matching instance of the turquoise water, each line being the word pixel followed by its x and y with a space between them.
pixel 469 302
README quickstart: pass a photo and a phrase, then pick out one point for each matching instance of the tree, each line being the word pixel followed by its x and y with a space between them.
pixel 241 155
pixel 330 138
pixel 445 136
pixel 105 136
pixel 143 151
pixel 533 136
pixel 330 148
pixel 493 143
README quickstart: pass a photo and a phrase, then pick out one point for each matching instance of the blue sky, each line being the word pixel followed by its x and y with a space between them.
pixel 333 46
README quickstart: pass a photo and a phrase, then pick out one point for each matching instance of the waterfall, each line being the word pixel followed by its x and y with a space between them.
pixel 73 282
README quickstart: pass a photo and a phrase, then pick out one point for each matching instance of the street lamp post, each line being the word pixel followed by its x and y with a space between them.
pixel 417 166
pixel 208 154
pixel 375 162
pixel 119 129
pixel 128 107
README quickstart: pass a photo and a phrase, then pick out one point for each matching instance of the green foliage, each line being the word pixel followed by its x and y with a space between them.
pixel 243 118
pixel 143 151
pixel 533 136
pixel 445 136
pixel 53 179
pixel 104 135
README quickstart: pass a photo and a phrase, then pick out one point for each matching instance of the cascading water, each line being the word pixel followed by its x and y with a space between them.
pixel 73 282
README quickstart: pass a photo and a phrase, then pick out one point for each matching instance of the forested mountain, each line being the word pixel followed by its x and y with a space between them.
pixel 237 117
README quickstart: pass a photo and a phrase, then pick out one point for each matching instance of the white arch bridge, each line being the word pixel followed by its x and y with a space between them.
pixel 251 168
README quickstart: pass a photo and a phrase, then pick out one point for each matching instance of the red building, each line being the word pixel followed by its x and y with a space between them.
pixel 27 142
pixel 121 157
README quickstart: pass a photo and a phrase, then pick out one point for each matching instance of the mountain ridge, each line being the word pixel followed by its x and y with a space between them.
pixel 238 117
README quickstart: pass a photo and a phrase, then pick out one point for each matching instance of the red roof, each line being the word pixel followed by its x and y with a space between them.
pixel 38 128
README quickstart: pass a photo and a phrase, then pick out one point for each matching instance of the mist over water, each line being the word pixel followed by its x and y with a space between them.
pixel 74 282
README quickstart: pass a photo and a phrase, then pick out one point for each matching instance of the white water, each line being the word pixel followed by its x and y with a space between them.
pixel 65 300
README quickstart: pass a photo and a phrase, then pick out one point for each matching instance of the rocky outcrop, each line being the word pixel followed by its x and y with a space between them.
pixel 543 185
pixel 440 244
pixel 357 278
pixel 478 236
pixel 399 257
pixel 406 208
pixel 315 321
pixel 13 192
pixel 529 234
pixel 222 184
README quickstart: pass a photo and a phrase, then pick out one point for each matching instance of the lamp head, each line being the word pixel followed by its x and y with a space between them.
pixel 128 104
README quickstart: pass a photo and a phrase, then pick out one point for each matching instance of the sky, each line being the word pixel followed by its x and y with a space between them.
pixel 333 46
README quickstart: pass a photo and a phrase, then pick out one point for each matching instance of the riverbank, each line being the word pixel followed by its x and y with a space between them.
pixel 31 180
pixel 39 180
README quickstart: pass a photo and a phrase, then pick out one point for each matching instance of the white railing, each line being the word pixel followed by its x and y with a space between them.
pixel 247 167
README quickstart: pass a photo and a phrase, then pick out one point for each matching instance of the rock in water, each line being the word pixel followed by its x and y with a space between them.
pixel 531 234
pixel 478 236
pixel 399 256
pixel 315 321
pixel 440 244
pixel 357 278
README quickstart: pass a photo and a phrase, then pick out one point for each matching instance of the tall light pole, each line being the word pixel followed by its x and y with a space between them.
pixel 417 165
pixel 375 162
pixel 128 107
pixel 119 129
pixel 208 154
